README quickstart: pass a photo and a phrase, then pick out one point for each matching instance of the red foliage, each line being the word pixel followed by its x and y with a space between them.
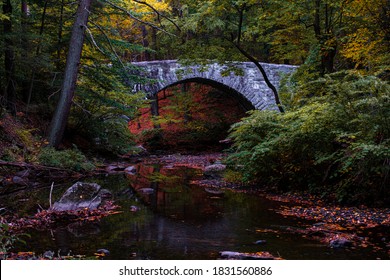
pixel 195 119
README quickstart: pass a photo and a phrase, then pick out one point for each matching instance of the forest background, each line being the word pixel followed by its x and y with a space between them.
pixel 330 135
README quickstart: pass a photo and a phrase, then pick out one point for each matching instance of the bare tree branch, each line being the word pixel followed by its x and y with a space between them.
pixel 93 40
pixel 267 81
pixel 109 42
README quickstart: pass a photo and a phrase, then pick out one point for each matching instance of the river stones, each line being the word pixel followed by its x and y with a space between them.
pixel 217 167
pixel 134 208
pixel 48 255
pixel 340 242
pixel 113 168
pixel 132 170
pixel 117 168
pixel 101 253
pixel 146 191
pixel 104 252
pixel 81 195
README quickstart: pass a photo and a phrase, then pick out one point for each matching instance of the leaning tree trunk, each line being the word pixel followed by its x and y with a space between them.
pixel 60 118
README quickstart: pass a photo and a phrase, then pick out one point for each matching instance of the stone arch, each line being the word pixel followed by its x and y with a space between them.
pixel 249 84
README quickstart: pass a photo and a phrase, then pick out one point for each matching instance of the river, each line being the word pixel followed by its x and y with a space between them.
pixel 165 214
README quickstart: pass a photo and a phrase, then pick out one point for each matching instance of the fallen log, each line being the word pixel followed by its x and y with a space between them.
pixel 32 166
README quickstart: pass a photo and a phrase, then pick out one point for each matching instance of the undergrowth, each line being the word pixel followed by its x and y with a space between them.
pixel 333 140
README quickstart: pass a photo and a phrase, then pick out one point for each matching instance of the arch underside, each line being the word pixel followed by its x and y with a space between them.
pixel 242 99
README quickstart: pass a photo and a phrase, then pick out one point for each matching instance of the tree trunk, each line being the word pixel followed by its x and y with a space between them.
pixel 60 28
pixel 145 44
pixel 9 93
pixel 25 45
pixel 187 114
pixel 327 57
pixel 324 36
pixel 154 44
pixel 60 118
pixel 317 19
pixel 37 52
pixel 154 110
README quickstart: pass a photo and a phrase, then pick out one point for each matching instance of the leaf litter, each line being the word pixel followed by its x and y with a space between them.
pixel 337 226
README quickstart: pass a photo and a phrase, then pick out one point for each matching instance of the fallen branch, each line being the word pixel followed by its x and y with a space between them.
pixel 50 195
pixel 33 166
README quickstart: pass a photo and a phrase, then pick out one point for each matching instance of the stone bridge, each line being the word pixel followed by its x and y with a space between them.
pixel 246 80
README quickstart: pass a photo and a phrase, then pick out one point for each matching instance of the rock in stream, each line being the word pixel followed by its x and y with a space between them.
pixel 81 195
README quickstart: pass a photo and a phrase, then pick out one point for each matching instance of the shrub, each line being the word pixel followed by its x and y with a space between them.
pixel 112 135
pixel 71 159
pixel 152 138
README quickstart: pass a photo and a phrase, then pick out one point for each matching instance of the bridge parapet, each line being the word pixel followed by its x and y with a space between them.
pixel 248 82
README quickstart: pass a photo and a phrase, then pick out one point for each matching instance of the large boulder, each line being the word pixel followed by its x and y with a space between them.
pixel 81 195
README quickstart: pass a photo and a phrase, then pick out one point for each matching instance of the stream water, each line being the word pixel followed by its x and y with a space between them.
pixel 165 216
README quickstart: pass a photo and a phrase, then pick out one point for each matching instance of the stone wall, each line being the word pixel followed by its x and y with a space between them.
pixel 250 84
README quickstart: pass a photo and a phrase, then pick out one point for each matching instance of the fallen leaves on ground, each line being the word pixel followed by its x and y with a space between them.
pixel 345 216
pixel 338 226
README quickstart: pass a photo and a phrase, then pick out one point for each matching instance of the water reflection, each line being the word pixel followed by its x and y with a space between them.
pixel 165 216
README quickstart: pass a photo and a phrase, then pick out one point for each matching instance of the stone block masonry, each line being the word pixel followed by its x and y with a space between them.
pixel 249 82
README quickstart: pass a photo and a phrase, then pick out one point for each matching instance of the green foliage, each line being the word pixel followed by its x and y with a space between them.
pixel 38 42
pixel 25 137
pixel 71 159
pixel 104 106
pixel 334 140
pixel 111 135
